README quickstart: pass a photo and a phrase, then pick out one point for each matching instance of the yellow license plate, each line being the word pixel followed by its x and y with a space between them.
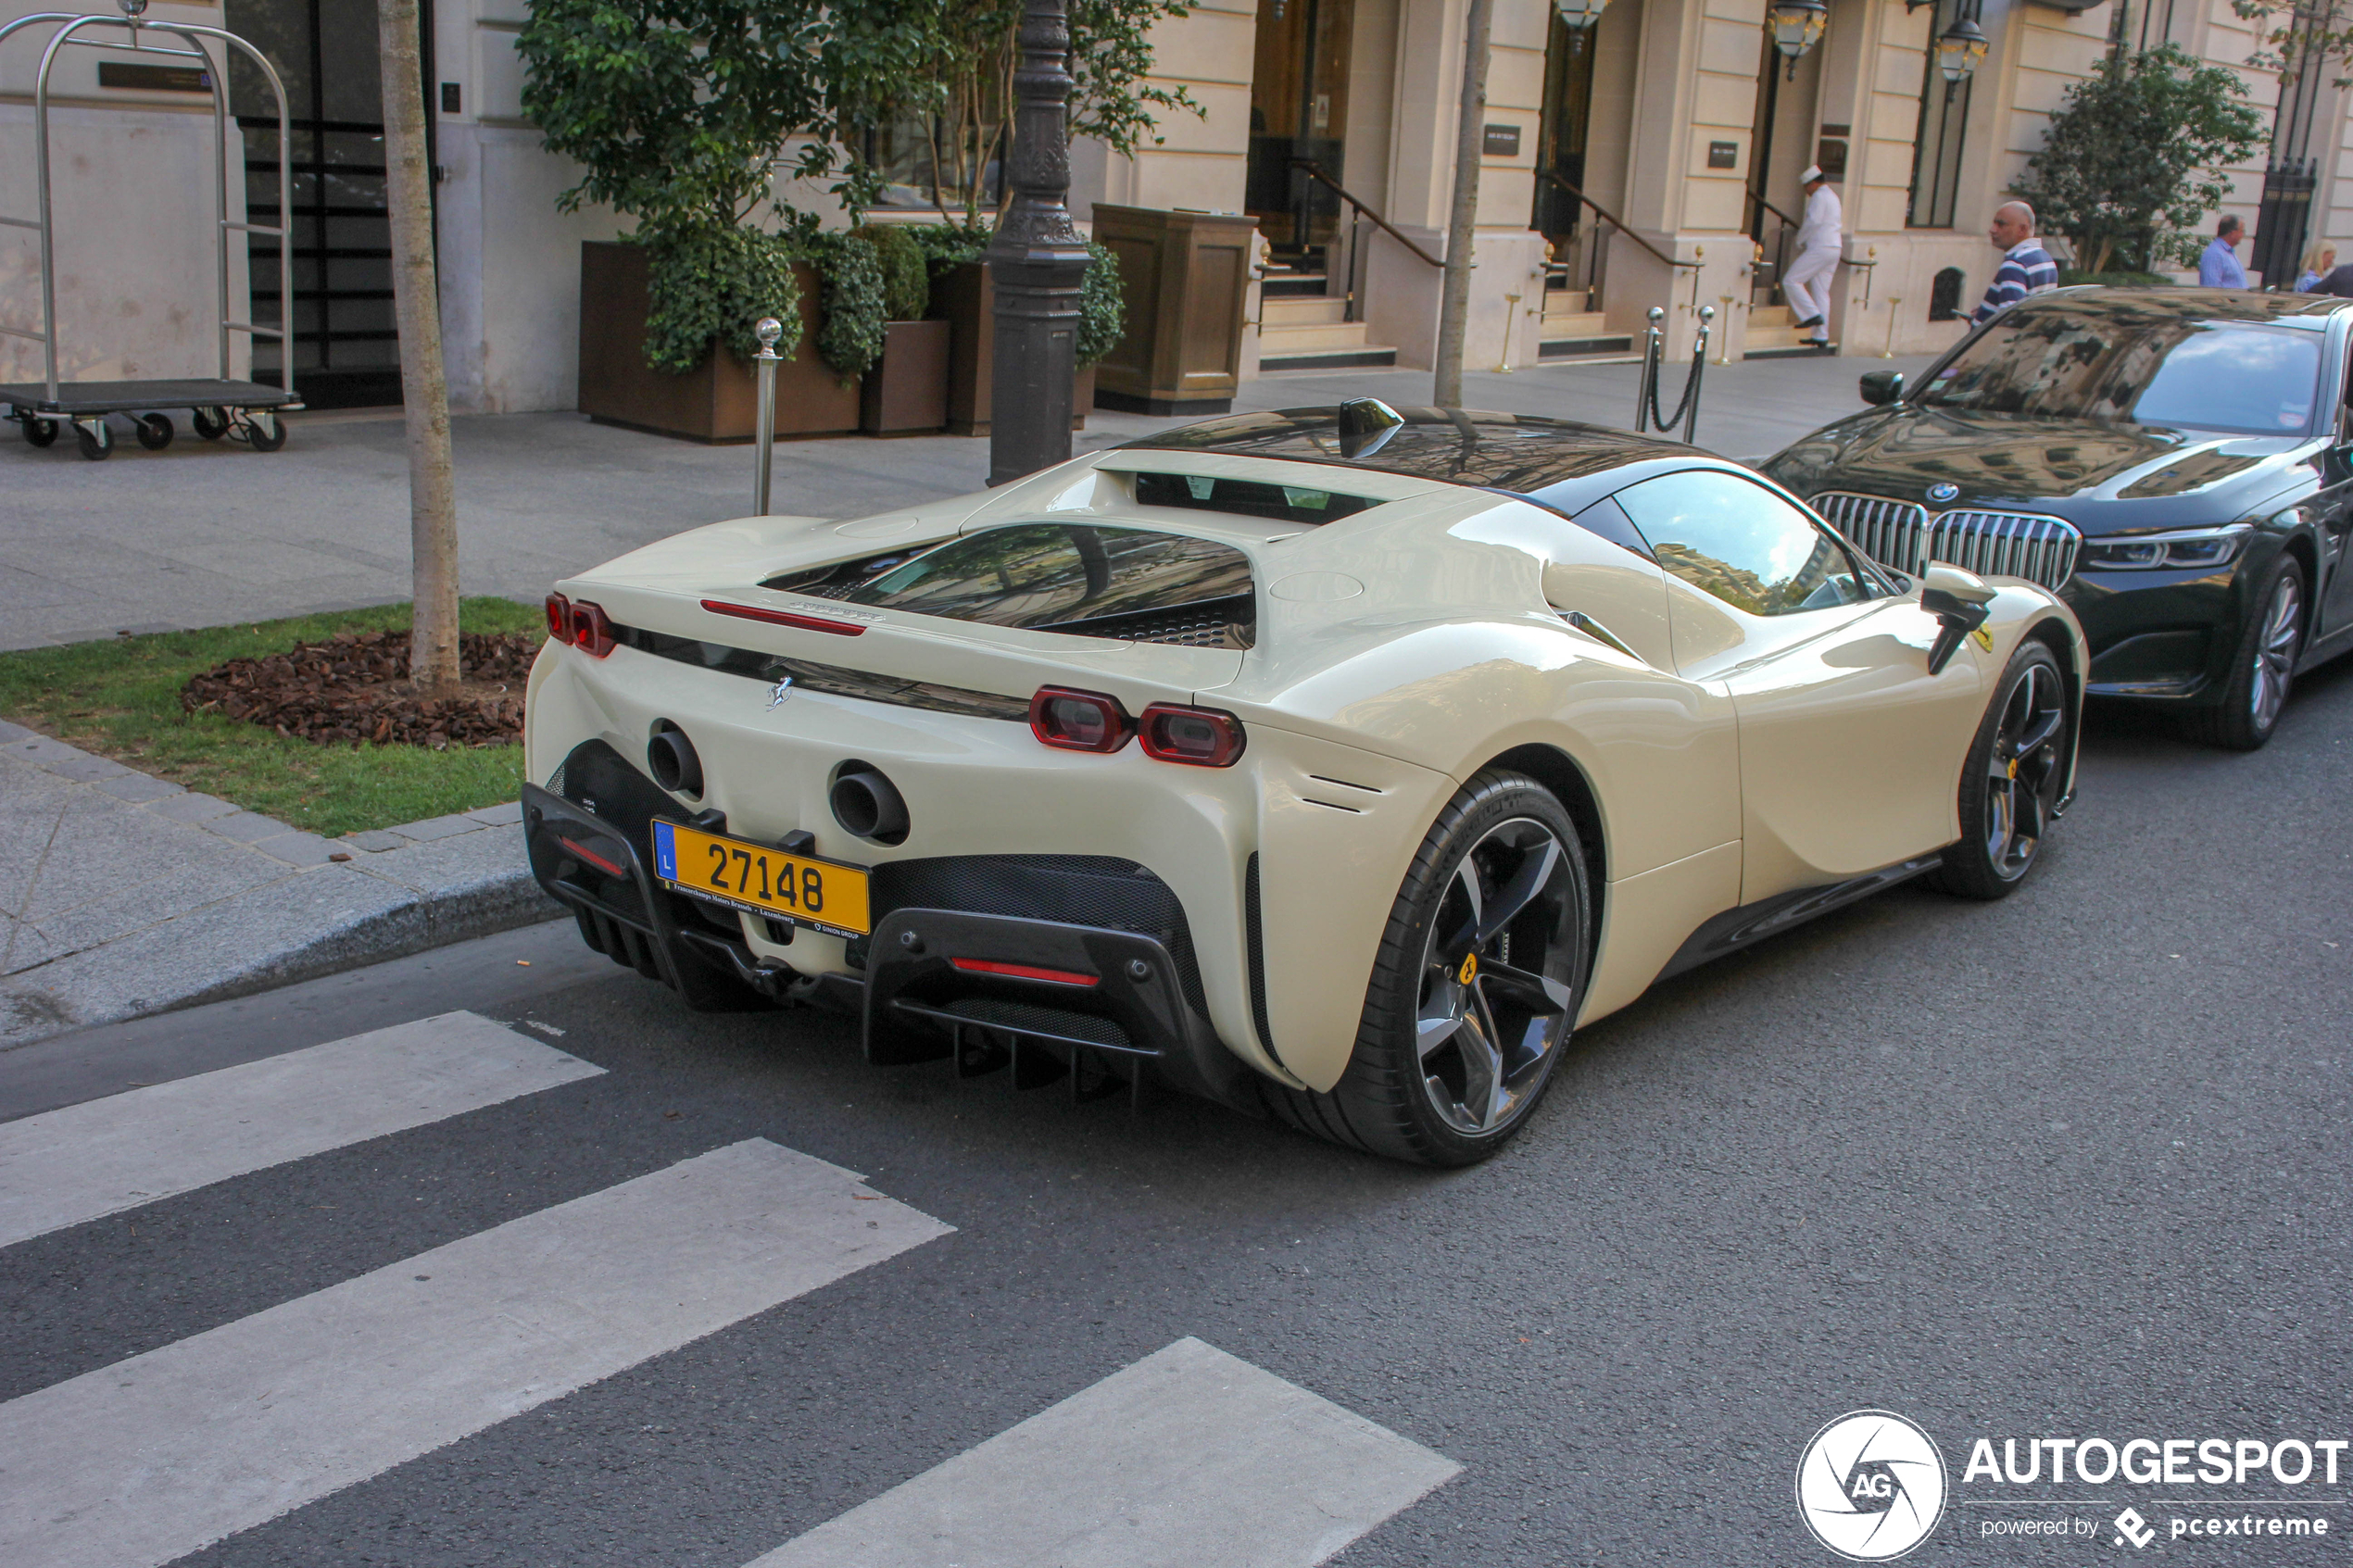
pixel 743 875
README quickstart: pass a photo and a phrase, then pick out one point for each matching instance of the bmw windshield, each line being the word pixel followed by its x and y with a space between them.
pixel 2152 368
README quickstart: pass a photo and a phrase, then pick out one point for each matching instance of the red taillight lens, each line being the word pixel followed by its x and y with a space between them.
pixel 1204 737
pixel 1079 721
pixel 591 630
pixel 1026 972
pixel 559 618
pixel 784 617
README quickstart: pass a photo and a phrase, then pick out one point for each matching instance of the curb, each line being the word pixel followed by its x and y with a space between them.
pixel 222 902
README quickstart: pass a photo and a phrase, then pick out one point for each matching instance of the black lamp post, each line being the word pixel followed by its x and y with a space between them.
pixel 1036 262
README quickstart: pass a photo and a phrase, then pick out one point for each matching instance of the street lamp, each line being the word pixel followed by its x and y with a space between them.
pixel 1960 48
pixel 1580 14
pixel 1796 26
pixel 1036 262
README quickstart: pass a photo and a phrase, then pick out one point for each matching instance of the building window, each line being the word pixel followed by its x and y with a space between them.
pixel 1936 150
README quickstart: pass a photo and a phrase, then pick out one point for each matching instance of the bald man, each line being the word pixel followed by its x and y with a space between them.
pixel 2026 267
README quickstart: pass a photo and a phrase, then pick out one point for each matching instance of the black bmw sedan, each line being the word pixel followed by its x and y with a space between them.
pixel 2176 463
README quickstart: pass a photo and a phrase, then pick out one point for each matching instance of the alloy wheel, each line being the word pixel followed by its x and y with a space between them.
pixel 1496 1000
pixel 2275 653
pixel 2022 772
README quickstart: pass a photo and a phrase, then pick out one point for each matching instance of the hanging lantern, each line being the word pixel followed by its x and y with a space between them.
pixel 1796 26
pixel 1580 14
pixel 1960 49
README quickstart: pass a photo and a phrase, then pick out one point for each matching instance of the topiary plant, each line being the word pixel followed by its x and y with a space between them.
pixel 711 283
pixel 1102 310
pixel 906 278
pixel 851 335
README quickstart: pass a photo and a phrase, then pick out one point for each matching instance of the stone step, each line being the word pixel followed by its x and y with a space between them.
pixel 1573 324
pixel 1291 284
pixel 1564 299
pixel 1367 356
pixel 1277 339
pixel 1303 310
pixel 1600 348
pixel 1769 316
pixel 1787 351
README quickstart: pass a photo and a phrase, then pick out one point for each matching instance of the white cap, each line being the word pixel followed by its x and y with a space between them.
pixel 1813 172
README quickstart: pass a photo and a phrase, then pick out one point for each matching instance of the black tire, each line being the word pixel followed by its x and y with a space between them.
pixel 155 431
pixel 2262 666
pixel 40 431
pixel 262 430
pixel 210 423
pixel 2011 783
pixel 96 438
pixel 1503 835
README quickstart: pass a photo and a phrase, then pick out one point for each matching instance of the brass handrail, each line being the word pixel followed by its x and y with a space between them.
pixel 1775 211
pixel 1314 170
pixel 1612 219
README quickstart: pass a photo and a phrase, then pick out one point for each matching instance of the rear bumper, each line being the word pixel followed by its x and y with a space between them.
pixel 1121 1002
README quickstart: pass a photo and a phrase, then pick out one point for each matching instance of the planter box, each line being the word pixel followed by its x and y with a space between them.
pixel 966 299
pixel 1184 276
pixel 719 400
pixel 906 393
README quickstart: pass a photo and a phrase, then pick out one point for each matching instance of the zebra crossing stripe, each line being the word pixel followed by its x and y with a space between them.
pixel 84 1162
pixel 155 1457
pixel 1188 1456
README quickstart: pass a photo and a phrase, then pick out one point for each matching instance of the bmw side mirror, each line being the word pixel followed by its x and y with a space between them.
pixel 1883 386
pixel 1960 601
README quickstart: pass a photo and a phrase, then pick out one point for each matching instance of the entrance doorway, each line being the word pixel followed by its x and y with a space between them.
pixel 344 345
pixel 1299 111
pixel 1560 142
pixel 1780 145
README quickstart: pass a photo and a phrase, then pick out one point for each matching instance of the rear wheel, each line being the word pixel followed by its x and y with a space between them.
pixel 210 423
pixel 2263 668
pixel 155 431
pixel 40 431
pixel 261 430
pixel 95 437
pixel 1475 987
pixel 2011 783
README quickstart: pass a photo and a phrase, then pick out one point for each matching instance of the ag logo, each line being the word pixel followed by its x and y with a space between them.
pixel 1941 493
pixel 1871 1486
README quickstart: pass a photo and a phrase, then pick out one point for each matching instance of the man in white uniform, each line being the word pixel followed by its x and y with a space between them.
pixel 1807 281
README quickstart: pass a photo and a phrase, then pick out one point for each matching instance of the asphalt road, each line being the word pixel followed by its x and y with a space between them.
pixel 2071 1165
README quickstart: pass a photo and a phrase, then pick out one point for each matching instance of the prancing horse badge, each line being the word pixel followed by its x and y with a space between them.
pixel 777 696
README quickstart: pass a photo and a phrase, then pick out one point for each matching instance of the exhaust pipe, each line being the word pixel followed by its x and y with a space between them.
pixel 672 758
pixel 869 805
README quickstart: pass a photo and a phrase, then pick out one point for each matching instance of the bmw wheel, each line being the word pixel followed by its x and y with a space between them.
pixel 2264 666
pixel 2011 783
pixel 1474 988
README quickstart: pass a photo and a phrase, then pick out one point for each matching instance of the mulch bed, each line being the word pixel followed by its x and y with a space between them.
pixel 354 688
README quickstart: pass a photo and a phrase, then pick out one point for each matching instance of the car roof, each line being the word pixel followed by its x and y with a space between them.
pixel 2149 305
pixel 1559 462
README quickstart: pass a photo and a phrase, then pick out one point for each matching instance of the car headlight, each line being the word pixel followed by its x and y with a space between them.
pixel 2179 549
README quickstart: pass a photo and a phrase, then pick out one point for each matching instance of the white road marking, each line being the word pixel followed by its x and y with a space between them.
pixel 155 1457
pixel 63 1167
pixel 1187 1458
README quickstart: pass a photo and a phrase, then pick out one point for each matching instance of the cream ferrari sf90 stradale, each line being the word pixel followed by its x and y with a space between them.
pixel 1336 762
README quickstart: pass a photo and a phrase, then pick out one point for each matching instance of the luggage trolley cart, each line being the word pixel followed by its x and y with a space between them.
pixel 244 410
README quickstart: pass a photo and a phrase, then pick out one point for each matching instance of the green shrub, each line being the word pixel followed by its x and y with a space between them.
pixel 710 282
pixel 1102 311
pixel 850 332
pixel 906 278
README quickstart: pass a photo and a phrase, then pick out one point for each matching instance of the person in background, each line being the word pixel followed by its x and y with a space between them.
pixel 2026 267
pixel 2319 262
pixel 1819 240
pixel 2219 267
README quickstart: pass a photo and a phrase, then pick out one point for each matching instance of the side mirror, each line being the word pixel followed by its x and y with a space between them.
pixel 1883 386
pixel 1961 601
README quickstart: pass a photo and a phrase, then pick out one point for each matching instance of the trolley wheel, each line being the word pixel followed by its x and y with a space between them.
pixel 40 431
pixel 155 431
pixel 260 427
pixel 212 423
pixel 96 438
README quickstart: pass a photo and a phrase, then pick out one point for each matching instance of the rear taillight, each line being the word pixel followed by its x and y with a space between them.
pixel 1203 738
pixel 559 618
pixel 591 630
pixel 786 617
pixel 1079 721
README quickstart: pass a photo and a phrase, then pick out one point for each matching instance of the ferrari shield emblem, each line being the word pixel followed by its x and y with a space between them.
pixel 1985 639
pixel 1470 969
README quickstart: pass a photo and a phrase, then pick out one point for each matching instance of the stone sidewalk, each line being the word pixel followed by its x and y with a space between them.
pixel 121 894
pixel 208 534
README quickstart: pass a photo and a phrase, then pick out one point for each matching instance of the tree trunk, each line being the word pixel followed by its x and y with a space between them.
pixel 1453 306
pixel 432 501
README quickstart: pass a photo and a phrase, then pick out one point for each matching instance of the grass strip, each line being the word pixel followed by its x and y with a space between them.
pixel 120 699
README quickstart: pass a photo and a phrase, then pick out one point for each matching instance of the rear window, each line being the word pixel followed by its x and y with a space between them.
pixel 1248 497
pixel 1130 583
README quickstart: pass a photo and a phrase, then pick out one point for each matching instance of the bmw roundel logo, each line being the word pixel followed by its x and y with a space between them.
pixel 1943 493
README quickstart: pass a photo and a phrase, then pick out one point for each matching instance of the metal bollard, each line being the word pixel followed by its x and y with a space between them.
pixel 1699 364
pixel 768 331
pixel 1642 391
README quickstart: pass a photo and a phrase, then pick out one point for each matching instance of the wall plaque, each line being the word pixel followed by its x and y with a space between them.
pixel 1723 154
